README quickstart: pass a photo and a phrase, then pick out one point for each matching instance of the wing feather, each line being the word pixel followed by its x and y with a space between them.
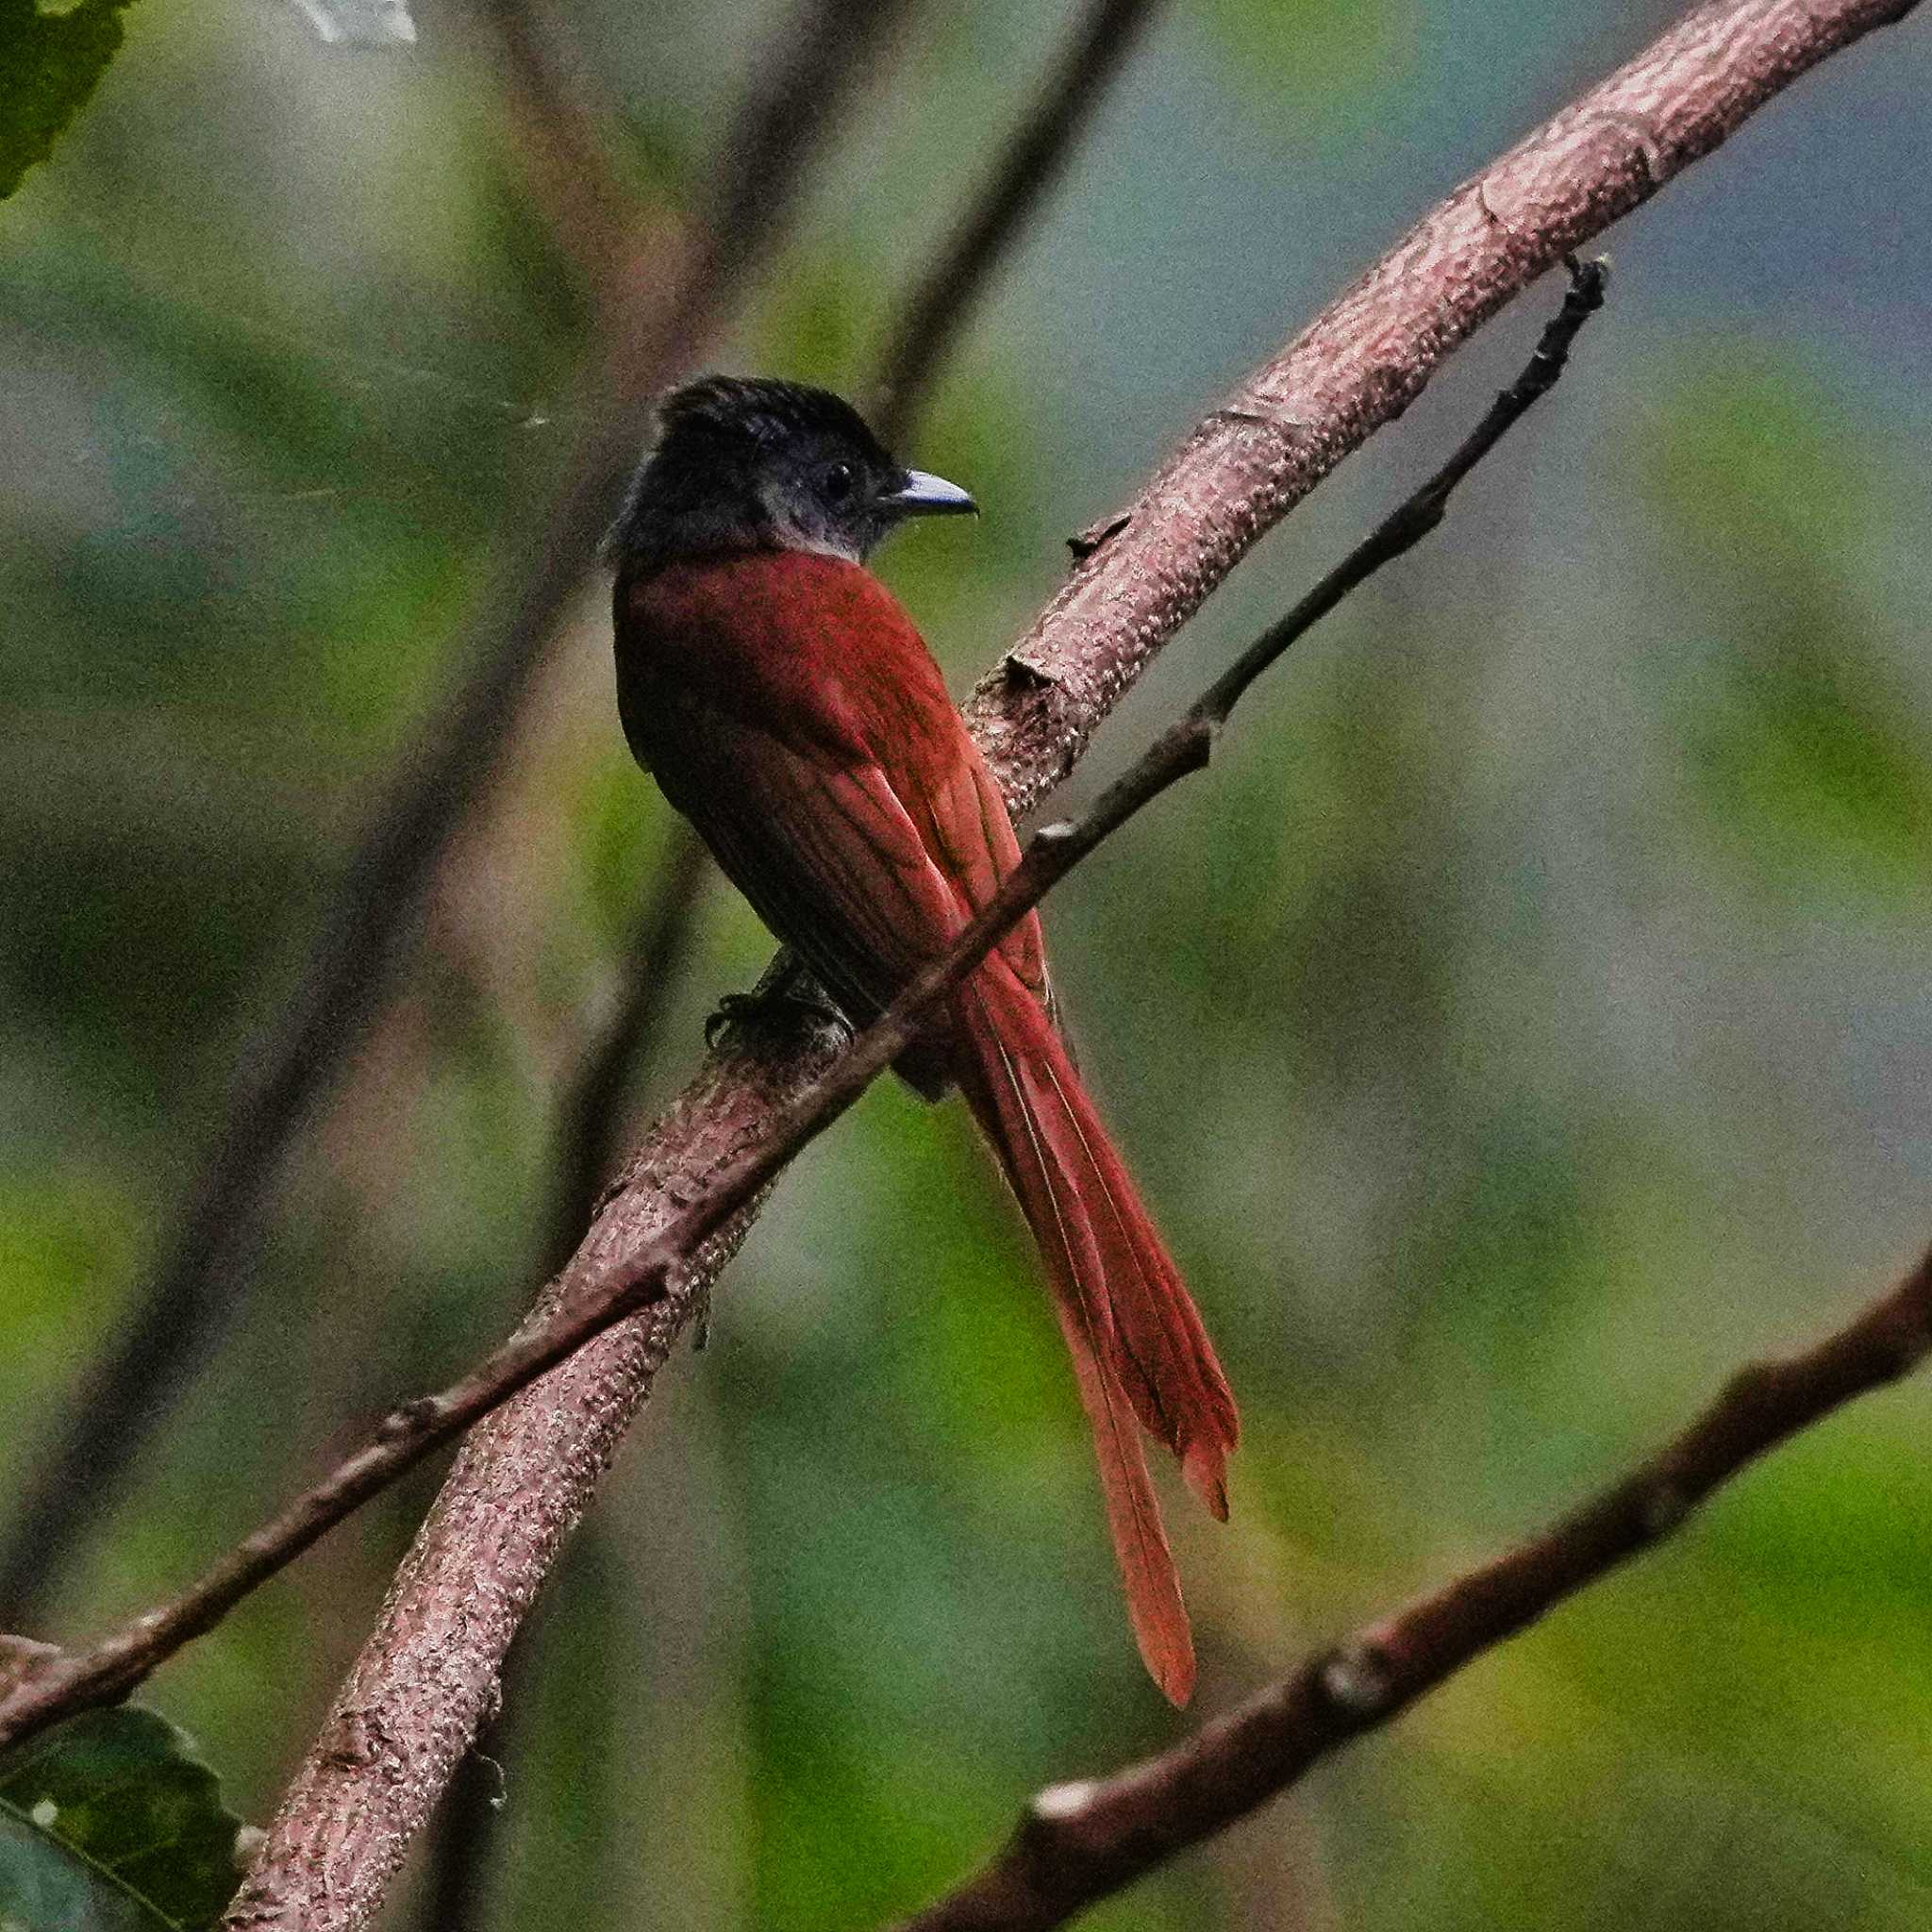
pixel 852 809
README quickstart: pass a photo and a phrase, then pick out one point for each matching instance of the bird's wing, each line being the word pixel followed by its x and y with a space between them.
pixel 834 866
pixel 961 819
pixel 790 710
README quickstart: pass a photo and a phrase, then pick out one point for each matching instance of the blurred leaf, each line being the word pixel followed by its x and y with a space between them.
pixel 1791 726
pixel 817 317
pixel 1331 57
pixel 1754 466
pixel 46 1888
pixel 621 827
pixel 1797 756
pixel 52 62
pixel 111 1822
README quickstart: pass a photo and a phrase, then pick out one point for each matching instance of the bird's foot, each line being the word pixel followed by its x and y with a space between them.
pixel 785 1009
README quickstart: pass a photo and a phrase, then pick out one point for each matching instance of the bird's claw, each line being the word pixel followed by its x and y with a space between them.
pixel 782 1008
pixel 734 1009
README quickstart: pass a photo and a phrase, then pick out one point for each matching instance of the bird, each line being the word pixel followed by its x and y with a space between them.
pixel 786 706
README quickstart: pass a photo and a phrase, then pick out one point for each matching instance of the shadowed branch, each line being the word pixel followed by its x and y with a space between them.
pixel 932 321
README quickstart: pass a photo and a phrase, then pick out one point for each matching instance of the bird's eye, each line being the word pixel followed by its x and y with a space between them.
pixel 836 482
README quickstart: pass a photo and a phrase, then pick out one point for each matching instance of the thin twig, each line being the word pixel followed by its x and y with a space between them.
pixel 412 1431
pixel 932 321
pixel 198 1285
pixel 525 1476
pixel 1188 743
pixel 1373 351
pixel 1078 1844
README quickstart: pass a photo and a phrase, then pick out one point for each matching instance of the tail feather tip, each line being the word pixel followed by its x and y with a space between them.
pixel 1173 1671
pixel 1203 1469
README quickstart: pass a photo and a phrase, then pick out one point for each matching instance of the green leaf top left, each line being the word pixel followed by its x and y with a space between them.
pixel 110 1823
pixel 50 62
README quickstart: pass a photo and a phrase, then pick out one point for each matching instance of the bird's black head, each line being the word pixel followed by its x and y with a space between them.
pixel 768 465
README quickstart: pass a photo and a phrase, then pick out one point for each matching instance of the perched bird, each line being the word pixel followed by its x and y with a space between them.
pixel 790 711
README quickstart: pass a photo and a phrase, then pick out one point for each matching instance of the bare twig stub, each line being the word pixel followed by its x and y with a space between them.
pixel 650 330
pixel 1079 1843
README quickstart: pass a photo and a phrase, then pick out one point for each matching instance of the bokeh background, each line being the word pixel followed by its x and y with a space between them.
pixel 1526 1021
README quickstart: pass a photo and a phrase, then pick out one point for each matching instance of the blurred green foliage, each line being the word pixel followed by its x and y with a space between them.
pixel 51 60
pixel 1320 60
pixel 1812 764
pixel 1522 1023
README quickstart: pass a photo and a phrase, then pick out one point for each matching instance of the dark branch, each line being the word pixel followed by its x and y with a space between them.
pixel 412 1431
pixel 1079 1843
pixel 559 119
pixel 590 1115
pixel 588 1120
pixel 933 320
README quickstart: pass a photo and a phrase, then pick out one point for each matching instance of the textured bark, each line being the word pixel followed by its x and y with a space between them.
pixel 417 1694
pixel 428 1675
